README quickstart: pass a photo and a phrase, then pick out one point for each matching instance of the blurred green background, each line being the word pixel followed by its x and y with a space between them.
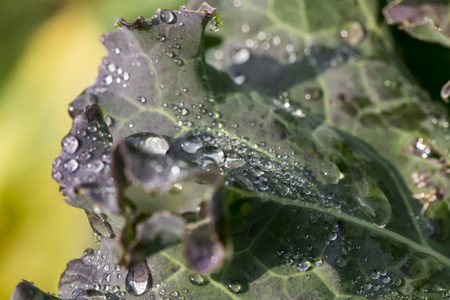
pixel 49 53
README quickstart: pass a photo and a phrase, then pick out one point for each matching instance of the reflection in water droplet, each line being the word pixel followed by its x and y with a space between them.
pixel 234 287
pixel 191 143
pixel 167 16
pixel 138 280
pixel 70 166
pixel 210 152
pixel 303 265
pixel 70 144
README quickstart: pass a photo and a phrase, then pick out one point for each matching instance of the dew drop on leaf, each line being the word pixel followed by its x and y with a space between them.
pixel 57 176
pixel 303 265
pixel 216 22
pixel 197 279
pixel 70 144
pixel 149 142
pixel 210 152
pixel 161 37
pixel 139 279
pixel 71 166
pixel 191 143
pixel 234 161
pixel 167 16
pixel 234 287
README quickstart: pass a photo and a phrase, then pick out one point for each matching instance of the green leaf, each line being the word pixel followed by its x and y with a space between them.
pixel 333 164
pixel 424 20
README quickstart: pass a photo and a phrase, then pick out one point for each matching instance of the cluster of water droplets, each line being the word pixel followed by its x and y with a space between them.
pixel 114 74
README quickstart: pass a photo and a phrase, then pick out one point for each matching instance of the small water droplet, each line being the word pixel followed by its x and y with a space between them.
pixel 303 265
pixel 95 166
pixel 239 79
pixel 58 176
pixel 71 166
pixel 126 76
pixel 111 67
pixel 142 99
pixel 352 33
pixel 191 143
pixel 108 80
pixel 167 16
pixel 318 262
pixel 116 50
pixel 197 279
pixel 70 144
pixel 234 287
pixel 161 37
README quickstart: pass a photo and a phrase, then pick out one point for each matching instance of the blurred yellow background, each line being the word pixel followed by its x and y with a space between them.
pixel 49 54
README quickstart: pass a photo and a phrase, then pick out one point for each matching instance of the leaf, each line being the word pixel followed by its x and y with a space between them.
pixel 27 290
pixel 424 20
pixel 317 156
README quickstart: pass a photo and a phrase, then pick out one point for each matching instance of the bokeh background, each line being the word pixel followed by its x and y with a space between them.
pixel 49 53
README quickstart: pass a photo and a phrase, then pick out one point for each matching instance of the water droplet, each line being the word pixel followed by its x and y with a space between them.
pixel 161 37
pixel 169 54
pixel 138 280
pixel 126 76
pixel 109 121
pixel 318 262
pixel 58 176
pixel 108 80
pixel 282 189
pixel 313 94
pixel 142 99
pixel 167 16
pixel 234 161
pixel 149 142
pixel 234 287
pixel 70 144
pixel 340 261
pixel 95 166
pixel 240 56
pixel 303 265
pixel 216 22
pixel 111 67
pixel 191 143
pixel 184 112
pixel 70 166
pixel 211 152
pixel 333 236
pixel 116 50
pixel 198 279
pixel 352 33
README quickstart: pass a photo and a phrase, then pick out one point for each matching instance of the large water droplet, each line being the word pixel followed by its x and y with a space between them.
pixel 167 16
pixel 234 287
pixel 234 161
pixel 70 144
pixel 191 143
pixel 303 265
pixel 70 166
pixel 149 142
pixel 139 280
pixel 216 22
pixel 211 152
pixel 198 279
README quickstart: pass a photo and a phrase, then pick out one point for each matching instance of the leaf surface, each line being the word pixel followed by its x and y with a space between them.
pixel 324 143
